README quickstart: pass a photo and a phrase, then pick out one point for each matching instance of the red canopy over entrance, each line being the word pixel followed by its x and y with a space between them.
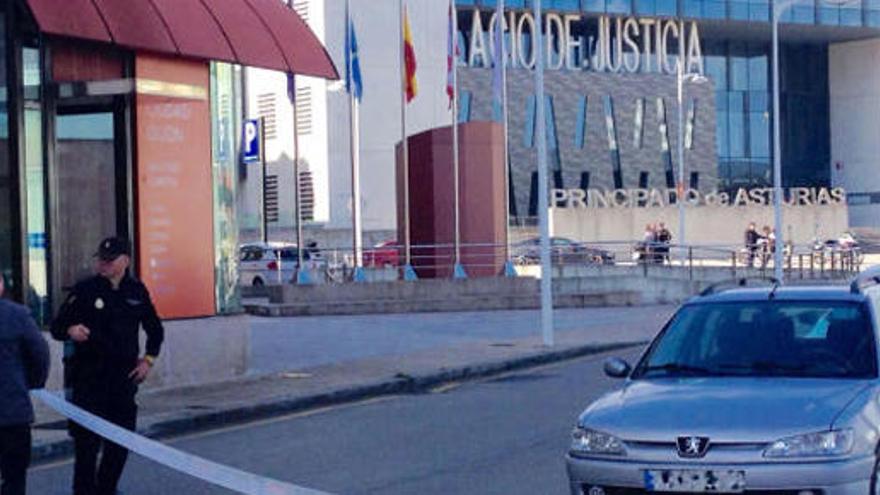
pixel 258 33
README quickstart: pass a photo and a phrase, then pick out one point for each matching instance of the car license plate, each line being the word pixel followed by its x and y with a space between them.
pixel 696 481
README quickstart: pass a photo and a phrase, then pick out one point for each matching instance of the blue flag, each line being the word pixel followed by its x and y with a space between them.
pixel 353 82
pixel 291 88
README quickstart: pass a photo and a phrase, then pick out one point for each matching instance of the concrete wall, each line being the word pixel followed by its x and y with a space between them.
pixel 195 351
pixel 573 287
pixel 854 79
pixel 705 225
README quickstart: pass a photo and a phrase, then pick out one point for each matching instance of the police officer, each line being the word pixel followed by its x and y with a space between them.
pixel 102 316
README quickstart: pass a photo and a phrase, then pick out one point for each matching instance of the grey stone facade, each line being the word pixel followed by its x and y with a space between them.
pixel 566 89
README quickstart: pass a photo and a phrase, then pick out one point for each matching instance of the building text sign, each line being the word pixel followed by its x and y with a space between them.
pixel 659 198
pixel 600 44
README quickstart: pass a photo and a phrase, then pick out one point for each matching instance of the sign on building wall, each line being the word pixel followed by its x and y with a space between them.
pixel 251 141
pixel 576 42
pixel 661 198
pixel 175 186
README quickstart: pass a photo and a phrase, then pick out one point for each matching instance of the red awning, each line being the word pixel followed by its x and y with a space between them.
pixel 257 33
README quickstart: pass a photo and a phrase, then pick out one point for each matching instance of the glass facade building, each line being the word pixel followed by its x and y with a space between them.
pixel 736 59
pixel 816 12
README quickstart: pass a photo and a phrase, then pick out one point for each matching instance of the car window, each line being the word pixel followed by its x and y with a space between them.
pixel 292 254
pixel 873 294
pixel 251 254
pixel 766 338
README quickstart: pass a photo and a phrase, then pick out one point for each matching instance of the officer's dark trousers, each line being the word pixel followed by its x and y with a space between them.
pixel 15 456
pixel 115 403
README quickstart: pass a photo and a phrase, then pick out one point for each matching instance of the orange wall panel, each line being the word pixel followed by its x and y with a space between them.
pixel 174 185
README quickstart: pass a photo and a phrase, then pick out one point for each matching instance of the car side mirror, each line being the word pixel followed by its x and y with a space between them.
pixel 617 368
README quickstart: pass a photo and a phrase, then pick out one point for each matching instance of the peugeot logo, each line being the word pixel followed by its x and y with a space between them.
pixel 692 447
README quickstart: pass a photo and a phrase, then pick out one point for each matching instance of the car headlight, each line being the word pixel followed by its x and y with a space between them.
pixel 821 444
pixel 585 442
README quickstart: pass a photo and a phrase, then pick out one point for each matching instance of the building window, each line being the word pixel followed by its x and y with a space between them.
pixel 610 124
pixel 266 109
pixel 464 110
pixel 553 153
pixel 7 237
pixel 302 8
pixel 225 113
pixel 639 124
pixel 691 122
pixel 585 180
pixel 35 180
pixel 304 111
pixel 531 109
pixel 307 199
pixel 614 151
pixel 580 130
pixel 665 152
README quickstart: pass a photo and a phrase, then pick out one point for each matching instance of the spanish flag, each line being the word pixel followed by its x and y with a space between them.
pixel 409 57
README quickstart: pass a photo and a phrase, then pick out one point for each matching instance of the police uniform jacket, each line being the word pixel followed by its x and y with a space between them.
pixel 114 318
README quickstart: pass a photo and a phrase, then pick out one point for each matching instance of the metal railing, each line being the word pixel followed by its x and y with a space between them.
pixel 336 265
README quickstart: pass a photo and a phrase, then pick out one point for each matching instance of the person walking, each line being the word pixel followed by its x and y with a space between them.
pixel 646 247
pixel 664 240
pixel 24 365
pixel 102 316
pixel 751 240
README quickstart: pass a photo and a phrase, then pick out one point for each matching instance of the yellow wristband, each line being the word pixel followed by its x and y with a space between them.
pixel 150 360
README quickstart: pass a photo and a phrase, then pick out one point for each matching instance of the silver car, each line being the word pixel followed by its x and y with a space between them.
pixel 768 390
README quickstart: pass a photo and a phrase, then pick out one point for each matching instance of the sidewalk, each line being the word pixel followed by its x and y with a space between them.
pixel 333 360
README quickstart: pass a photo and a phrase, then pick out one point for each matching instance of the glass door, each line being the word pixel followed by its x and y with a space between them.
pixel 89 194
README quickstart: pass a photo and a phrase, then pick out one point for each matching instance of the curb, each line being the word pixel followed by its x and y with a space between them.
pixel 401 384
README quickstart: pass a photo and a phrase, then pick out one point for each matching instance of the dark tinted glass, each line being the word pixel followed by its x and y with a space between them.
pixel 769 338
pixel 6 206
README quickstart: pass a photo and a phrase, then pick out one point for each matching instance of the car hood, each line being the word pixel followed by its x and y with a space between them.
pixel 725 409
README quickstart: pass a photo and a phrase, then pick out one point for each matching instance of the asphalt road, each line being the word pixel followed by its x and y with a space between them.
pixel 505 435
pixel 279 344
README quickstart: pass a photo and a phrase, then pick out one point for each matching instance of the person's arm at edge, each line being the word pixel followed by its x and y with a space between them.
pixel 36 353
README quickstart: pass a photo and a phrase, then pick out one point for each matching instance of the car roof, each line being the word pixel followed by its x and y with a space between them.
pixel 269 245
pixel 828 293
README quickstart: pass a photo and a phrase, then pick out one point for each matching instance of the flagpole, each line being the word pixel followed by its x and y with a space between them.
pixel 302 276
pixel 543 192
pixel 505 123
pixel 354 132
pixel 458 269
pixel 405 145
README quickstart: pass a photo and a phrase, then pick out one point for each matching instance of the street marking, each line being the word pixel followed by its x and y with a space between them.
pixel 197 467
pixel 442 389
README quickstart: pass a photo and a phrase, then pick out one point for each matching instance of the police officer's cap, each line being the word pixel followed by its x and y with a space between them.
pixel 112 248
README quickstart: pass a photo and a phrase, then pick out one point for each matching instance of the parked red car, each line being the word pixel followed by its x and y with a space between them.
pixel 385 253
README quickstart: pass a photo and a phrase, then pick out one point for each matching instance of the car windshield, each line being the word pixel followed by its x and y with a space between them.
pixel 767 338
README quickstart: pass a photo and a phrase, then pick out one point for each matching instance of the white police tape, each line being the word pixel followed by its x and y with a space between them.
pixel 197 467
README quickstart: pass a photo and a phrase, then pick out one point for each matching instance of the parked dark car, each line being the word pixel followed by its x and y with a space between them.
pixel 562 251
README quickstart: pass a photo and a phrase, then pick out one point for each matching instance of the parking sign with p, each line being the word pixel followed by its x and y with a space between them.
pixel 251 141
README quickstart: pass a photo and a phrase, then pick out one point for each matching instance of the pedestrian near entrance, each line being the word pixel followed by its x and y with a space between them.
pixel 751 241
pixel 103 316
pixel 24 365
pixel 664 239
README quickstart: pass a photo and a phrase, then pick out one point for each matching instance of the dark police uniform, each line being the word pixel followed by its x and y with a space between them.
pixel 99 369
